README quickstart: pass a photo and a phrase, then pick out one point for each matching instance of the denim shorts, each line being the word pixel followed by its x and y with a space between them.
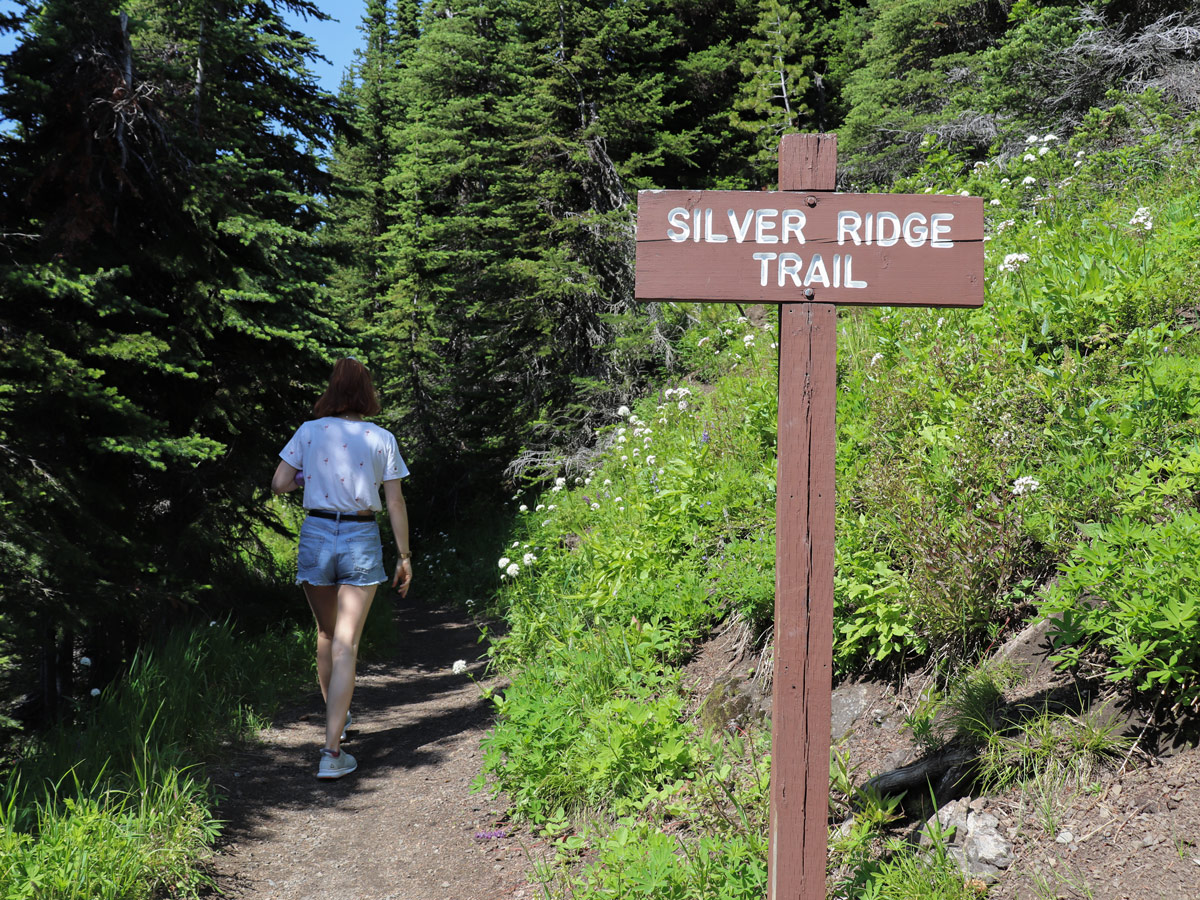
pixel 342 552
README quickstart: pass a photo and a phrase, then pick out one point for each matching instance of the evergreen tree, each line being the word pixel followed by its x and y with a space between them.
pixel 160 314
pixel 774 98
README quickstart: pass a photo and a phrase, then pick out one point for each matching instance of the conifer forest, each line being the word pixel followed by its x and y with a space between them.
pixel 192 230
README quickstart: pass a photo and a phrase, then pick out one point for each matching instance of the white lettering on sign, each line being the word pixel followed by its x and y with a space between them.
pixel 740 230
pixel 885 229
pixel 762 226
pixel 775 226
pixel 793 223
pixel 788 265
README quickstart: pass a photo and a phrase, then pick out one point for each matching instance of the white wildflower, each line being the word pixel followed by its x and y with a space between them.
pixel 964 193
pixel 1042 151
pixel 876 358
pixel 1026 484
pixel 459 667
pixel 512 570
pixel 1029 157
pixel 504 561
pixel 1012 262
pixel 683 404
pixel 1050 137
pixel 595 506
pixel 1142 217
pixel 607 482
pixel 524 508
pixel 539 507
pixel 528 559
pixel 748 340
pixel 623 411
pixel 650 460
pixel 995 201
pixel 1028 179
pixel 1032 139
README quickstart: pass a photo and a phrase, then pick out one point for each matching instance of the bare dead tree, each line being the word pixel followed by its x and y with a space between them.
pixel 1164 55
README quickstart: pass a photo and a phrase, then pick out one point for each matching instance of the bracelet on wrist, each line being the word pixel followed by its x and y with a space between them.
pixel 406 555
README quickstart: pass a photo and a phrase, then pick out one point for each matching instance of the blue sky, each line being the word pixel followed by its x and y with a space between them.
pixel 336 40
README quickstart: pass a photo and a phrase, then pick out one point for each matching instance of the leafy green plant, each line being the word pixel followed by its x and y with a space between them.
pixel 1128 598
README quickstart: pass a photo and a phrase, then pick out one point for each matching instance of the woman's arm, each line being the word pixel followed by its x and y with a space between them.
pixel 284 479
pixel 398 515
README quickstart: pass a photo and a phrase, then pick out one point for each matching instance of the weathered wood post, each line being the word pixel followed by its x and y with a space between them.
pixel 804 518
pixel 807 248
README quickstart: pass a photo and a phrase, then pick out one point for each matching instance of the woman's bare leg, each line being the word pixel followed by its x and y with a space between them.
pixel 323 599
pixel 353 604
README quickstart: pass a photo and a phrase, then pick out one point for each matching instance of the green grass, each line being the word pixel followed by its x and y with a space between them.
pixel 112 805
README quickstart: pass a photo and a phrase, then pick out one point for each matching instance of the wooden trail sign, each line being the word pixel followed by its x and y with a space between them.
pixel 807 249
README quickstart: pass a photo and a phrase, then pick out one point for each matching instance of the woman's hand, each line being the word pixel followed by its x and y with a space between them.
pixel 403 576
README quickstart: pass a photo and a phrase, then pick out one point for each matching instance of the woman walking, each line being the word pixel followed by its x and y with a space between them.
pixel 341 460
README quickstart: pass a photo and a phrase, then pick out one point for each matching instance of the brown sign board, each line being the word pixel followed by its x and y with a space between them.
pixel 817 246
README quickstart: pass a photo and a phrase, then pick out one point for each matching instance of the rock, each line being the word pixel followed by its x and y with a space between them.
pixel 975 843
pixel 951 821
pixel 850 701
pixel 1064 837
pixel 730 701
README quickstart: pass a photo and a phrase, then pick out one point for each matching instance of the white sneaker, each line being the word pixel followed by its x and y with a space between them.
pixel 335 766
pixel 349 722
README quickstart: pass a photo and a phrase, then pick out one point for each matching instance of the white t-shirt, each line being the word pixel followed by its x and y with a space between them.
pixel 344 463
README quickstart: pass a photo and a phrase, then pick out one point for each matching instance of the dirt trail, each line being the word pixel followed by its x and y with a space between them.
pixel 406 825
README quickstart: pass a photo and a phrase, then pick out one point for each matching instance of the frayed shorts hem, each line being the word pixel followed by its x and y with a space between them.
pixel 301 581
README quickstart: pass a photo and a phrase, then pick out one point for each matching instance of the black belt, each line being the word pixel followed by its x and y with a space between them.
pixel 341 516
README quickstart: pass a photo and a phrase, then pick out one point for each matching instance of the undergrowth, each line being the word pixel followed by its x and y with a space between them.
pixel 113 805
pixel 1036 456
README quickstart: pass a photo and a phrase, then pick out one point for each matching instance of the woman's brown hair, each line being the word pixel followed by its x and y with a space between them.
pixel 350 391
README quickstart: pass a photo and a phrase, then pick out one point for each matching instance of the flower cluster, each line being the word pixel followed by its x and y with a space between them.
pixel 459 667
pixel 1026 484
pixel 1143 218
pixel 1013 261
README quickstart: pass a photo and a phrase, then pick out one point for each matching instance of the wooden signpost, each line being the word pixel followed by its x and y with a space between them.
pixel 807 249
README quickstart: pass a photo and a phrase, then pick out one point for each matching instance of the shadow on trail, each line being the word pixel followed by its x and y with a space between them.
pixel 410 712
